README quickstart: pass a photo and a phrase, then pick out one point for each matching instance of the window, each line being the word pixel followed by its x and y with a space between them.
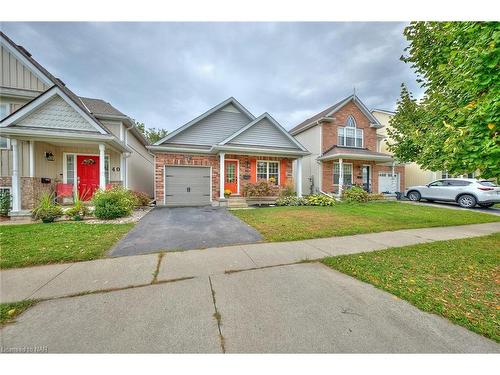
pixel 349 135
pixel 458 183
pixel 488 183
pixel 70 169
pixel 438 183
pixel 268 170
pixel 347 169
pixel 4 143
pixel 106 168
pixel 4 110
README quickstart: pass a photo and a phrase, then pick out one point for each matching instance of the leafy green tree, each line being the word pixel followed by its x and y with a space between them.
pixel 455 126
pixel 152 134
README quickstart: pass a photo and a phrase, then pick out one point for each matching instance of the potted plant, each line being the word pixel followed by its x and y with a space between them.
pixel 227 193
pixel 79 210
pixel 46 210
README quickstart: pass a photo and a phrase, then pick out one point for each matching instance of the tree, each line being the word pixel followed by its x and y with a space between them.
pixel 455 126
pixel 153 135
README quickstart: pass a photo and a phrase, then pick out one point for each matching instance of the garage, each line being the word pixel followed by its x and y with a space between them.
pixel 187 186
pixel 385 184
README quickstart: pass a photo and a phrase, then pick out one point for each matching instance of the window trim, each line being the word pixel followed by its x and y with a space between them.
pixel 8 146
pixel 344 137
pixel 8 109
pixel 333 173
pixel 278 182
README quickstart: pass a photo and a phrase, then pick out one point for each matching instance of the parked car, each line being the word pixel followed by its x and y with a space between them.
pixel 467 192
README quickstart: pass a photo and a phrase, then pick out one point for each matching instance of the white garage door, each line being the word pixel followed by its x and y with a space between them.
pixel 385 182
pixel 187 186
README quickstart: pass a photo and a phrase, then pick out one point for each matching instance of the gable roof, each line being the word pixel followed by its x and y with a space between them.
pixel 310 122
pixel 258 120
pixel 229 101
pixel 101 107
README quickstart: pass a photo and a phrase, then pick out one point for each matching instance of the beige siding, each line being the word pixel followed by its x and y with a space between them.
pixel 311 140
pixel 113 126
pixel 16 75
pixel 6 161
pixel 139 166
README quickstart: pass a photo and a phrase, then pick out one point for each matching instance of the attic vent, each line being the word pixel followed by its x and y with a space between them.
pixel 61 82
pixel 24 50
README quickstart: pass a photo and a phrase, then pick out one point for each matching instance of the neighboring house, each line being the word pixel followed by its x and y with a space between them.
pixel 414 174
pixel 51 139
pixel 222 149
pixel 342 140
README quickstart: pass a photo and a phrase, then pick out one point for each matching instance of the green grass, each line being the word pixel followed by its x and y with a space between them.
pixel 299 223
pixel 457 279
pixel 9 311
pixel 34 244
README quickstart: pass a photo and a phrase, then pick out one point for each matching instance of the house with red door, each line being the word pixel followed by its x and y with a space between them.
pixel 346 150
pixel 54 140
pixel 222 150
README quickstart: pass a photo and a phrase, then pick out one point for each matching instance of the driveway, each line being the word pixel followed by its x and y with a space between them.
pixel 455 206
pixel 184 228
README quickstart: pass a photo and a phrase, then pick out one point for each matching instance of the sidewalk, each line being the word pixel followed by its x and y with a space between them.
pixel 70 279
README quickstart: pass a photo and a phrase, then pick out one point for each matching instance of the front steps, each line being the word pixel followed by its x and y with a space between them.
pixel 236 202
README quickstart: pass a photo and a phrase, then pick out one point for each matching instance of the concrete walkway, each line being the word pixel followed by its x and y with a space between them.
pixel 247 298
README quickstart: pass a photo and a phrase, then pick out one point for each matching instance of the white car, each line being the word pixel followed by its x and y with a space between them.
pixel 467 192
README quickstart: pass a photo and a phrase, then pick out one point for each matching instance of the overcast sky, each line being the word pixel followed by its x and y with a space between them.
pixel 165 74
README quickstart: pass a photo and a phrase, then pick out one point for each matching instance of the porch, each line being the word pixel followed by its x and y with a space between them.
pixel 375 172
pixel 31 166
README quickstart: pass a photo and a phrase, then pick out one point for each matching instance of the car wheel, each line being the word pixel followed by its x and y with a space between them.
pixel 486 205
pixel 467 201
pixel 414 196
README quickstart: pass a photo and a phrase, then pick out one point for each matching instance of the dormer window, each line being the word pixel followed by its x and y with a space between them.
pixel 349 135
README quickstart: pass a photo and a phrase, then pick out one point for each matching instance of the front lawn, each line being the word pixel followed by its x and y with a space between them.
pixel 457 279
pixel 304 222
pixel 33 244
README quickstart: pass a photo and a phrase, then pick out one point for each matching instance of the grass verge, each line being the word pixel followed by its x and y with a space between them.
pixel 9 311
pixel 457 279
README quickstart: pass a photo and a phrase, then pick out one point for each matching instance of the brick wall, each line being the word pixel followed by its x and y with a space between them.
pixel 31 189
pixel 329 129
pixel 163 159
pixel 357 176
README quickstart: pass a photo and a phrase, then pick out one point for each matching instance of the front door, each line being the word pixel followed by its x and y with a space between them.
pixel 365 171
pixel 231 179
pixel 88 175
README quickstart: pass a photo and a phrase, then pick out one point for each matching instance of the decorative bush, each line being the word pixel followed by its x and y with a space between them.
pixel 291 201
pixel 141 199
pixel 310 200
pixel 79 210
pixel 260 188
pixel 46 209
pixel 287 191
pixel 375 197
pixel 227 193
pixel 355 194
pixel 5 200
pixel 320 200
pixel 113 203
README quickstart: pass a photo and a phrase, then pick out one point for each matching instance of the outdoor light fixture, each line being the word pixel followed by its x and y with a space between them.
pixel 49 156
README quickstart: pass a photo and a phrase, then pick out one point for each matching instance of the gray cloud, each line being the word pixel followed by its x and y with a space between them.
pixel 165 74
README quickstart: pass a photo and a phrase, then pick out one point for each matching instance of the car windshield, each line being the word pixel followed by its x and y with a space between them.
pixel 488 183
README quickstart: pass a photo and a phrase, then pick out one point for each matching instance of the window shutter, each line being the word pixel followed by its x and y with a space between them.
pixel 253 170
pixel 283 172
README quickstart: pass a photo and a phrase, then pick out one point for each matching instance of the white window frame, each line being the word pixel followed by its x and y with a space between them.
pixel 267 169
pixel 343 164
pixel 343 130
pixel 75 171
pixel 7 109
pixel 7 147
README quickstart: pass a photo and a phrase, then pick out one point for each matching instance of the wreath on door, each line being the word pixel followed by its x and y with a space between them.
pixel 88 161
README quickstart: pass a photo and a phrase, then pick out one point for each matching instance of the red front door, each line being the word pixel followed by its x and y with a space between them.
pixel 88 175
pixel 231 178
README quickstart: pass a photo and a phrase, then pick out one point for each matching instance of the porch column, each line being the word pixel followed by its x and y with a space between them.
pixel 341 177
pixel 221 175
pixel 32 158
pixel 16 183
pixel 298 176
pixel 393 179
pixel 102 171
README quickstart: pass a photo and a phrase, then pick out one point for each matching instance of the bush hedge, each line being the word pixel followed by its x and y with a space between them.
pixel 309 200
pixel 113 203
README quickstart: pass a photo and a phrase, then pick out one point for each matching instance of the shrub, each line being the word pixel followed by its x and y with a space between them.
pixel 260 188
pixel 355 194
pixel 287 191
pixel 141 199
pixel 227 193
pixel 375 197
pixel 320 200
pixel 79 210
pixel 5 200
pixel 113 203
pixel 46 209
pixel 291 201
